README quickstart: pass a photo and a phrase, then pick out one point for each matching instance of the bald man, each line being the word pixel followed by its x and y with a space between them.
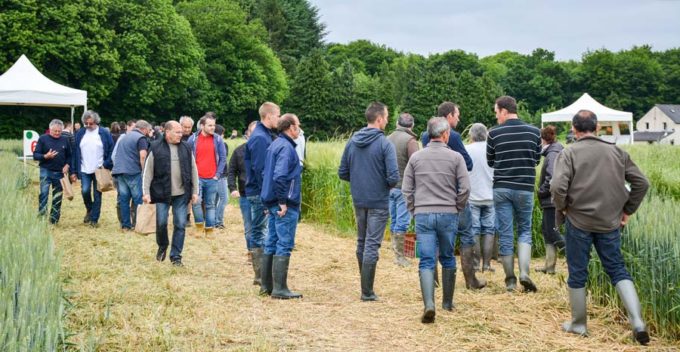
pixel 170 179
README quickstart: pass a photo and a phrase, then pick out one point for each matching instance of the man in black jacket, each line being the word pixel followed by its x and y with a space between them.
pixel 53 152
pixel 236 180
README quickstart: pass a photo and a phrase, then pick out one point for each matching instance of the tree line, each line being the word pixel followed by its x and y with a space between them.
pixel 159 59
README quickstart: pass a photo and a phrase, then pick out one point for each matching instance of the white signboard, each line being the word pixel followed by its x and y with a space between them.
pixel 30 140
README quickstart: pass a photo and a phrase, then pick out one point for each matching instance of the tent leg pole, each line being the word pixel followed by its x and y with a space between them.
pixel 72 117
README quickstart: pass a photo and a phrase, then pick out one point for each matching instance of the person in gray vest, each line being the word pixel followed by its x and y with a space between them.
pixel 405 142
pixel 128 163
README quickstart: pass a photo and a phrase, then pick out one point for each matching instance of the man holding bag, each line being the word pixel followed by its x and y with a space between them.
pixel 53 152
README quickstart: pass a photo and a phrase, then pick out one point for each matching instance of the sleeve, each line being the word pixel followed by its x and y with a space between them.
pixel 408 187
pixel 561 180
pixel 638 186
pixel 343 170
pixel 108 150
pixel 257 158
pixel 539 149
pixel 463 183
pixel 490 151
pixel 456 143
pixel 39 151
pixel 412 147
pixel 194 176
pixel 425 139
pixel 231 172
pixel 544 188
pixel 281 176
pixel 69 154
pixel 148 174
pixel 391 166
pixel 222 154
pixel 142 144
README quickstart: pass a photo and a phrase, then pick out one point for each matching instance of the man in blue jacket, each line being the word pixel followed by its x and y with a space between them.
pixel 369 163
pixel 93 148
pixel 254 157
pixel 53 152
pixel 281 195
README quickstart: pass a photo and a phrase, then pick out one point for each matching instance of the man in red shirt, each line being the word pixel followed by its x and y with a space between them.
pixel 211 156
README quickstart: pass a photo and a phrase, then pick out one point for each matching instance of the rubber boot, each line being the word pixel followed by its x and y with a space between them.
pixel 487 252
pixel 427 289
pixel 209 233
pixel 448 288
pixel 477 254
pixel 367 278
pixel 133 215
pixel 280 275
pixel 398 247
pixel 266 286
pixel 466 259
pixel 199 230
pixel 436 272
pixel 360 261
pixel 550 260
pixel 119 214
pixel 256 255
pixel 494 253
pixel 628 294
pixel 524 257
pixel 578 324
pixel 508 262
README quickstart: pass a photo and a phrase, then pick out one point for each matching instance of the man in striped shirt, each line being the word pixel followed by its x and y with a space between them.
pixel 513 150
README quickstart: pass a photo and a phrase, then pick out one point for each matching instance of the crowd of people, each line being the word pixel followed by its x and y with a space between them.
pixel 477 192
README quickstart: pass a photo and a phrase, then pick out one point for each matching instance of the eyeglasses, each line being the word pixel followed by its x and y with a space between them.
pixel 90 124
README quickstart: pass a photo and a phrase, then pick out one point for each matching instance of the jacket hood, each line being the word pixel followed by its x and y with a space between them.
pixel 365 136
pixel 555 147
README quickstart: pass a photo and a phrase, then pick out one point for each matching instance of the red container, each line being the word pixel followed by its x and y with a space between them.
pixel 410 245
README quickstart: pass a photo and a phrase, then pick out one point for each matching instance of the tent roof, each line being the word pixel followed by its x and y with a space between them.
pixel 588 103
pixel 23 84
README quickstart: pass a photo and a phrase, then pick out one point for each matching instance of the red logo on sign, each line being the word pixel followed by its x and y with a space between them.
pixel 33 144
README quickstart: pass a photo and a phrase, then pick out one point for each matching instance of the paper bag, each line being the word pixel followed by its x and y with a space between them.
pixel 104 179
pixel 146 219
pixel 67 188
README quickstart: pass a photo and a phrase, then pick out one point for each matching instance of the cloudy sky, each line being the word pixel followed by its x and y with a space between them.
pixel 485 27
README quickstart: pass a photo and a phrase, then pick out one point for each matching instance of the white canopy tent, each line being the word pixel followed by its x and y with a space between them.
pixel 23 84
pixel 605 116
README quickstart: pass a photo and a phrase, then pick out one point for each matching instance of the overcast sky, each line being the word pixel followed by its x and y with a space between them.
pixel 485 27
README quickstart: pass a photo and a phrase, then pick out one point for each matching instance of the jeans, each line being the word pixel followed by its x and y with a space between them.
pixel 129 187
pixel 50 178
pixel 91 197
pixel 512 205
pixel 483 219
pixel 608 247
pixel 467 237
pixel 371 225
pixel 281 238
pixel 244 204
pixel 551 235
pixel 207 193
pixel 400 218
pixel 436 230
pixel 258 222
pixel 179 220
pixel 222 200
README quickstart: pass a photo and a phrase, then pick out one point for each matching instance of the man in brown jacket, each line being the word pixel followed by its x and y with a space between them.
pixel 589 187
pixel 405 143
pixel 436 187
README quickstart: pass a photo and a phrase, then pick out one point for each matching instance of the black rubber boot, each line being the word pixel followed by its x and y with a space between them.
pixel 280 275
pixel 133 215
pixel 118 214
pixel 367 278
pixel 477 254
pixel 471 281
pixel 508 262
pixel 256 255
pixel 487 252
pixel 448 288
pixel 266 286
pixel 427 289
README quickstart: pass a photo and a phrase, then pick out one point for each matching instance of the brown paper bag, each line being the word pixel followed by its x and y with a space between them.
pixel 67 188
pixel 146 219
pixel 104 179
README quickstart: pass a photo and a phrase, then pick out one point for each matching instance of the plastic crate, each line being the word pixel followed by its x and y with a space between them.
pixel 411 246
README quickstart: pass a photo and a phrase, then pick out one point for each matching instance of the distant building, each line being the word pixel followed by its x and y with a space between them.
pixel 660 125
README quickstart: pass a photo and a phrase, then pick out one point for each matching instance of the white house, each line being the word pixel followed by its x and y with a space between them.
pixel 661 125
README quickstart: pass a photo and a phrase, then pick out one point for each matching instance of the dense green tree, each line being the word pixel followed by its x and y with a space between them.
pixel 364 55
pixel 670 89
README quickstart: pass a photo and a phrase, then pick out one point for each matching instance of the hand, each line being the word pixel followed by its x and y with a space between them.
pixel 146 198
pixel 65 169
pixel 51 154
pixel 281 213
pixel 194 198
pixel 74 178
pixel 235 194
pixel 624 219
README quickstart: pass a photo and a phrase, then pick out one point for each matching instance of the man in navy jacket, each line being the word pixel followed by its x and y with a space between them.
pixel 369 163
pixel 53 152
pixel 281 195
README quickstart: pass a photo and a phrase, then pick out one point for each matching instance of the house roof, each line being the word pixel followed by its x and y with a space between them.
pixel 671 110
pixel 650 136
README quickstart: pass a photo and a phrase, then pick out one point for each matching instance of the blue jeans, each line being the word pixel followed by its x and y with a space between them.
pixel 244 204
pixel 50 178
pixel 483 219
pixel 258 222
pixel 467 237
pixel 129 187
pixel 207 194
pixel 512 205
pixel 281 238
pixel 608 247
pixel 179 219
pixel 222 200
pixel 399 215
pixel 91 197
pixel 371 225
pixel 436 230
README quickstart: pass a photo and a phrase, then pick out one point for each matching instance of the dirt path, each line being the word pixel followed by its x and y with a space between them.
pixel 126 301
